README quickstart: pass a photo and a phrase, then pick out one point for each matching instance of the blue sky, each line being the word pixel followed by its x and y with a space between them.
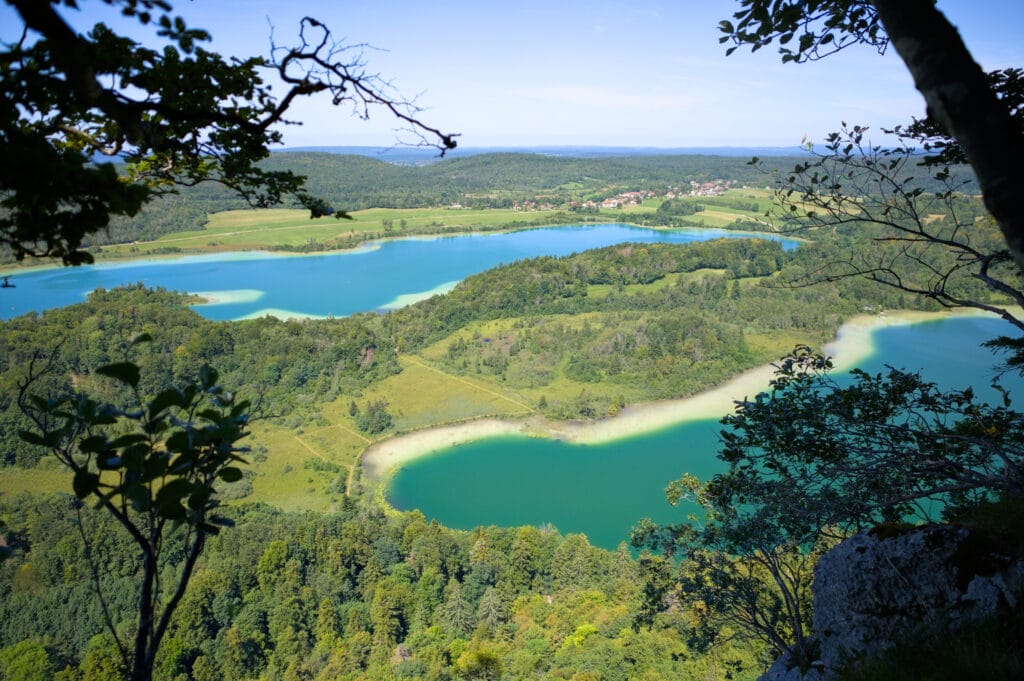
pixel 569 72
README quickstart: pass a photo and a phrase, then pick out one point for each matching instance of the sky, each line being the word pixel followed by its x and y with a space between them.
pixel 589 73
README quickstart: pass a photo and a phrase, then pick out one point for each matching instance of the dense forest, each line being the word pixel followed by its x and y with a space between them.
pixel 357 594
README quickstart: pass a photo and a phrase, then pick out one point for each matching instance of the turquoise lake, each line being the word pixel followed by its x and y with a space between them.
pixel 600 490
pixel 603 490
pixel 380 276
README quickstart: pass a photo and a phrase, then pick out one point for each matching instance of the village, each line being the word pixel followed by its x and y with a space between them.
pixel 631 198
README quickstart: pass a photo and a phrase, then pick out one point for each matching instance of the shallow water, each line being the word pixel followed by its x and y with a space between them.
pixel 381 276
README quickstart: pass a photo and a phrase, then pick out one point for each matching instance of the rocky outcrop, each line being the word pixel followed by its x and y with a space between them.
pixel 872 590
pixel 784 670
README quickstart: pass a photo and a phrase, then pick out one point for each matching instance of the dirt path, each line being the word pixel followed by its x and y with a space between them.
pixel 315 453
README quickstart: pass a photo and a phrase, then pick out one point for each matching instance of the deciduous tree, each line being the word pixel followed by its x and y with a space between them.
pixel 179 115
pixel 960 97
pixel 930 240
pixel 810 462
pixel 152 464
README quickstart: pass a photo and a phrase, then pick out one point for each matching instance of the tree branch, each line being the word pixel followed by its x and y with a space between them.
pixel 960 99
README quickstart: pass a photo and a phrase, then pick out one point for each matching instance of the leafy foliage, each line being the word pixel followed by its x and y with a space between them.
pixel 151 465
pixel 977 113
pixel 363 594
pixel 180 115
pixel 374 419
pixel 928 239
pixel 1008 84
pixel 817 456
pixel 812 461
pixel 821 27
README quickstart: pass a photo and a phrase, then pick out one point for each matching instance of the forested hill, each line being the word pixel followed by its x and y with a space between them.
pixel 492 180
pixel 495 180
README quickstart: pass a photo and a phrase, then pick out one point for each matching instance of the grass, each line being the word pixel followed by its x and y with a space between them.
pixel 424 395
pixel 283 478
pixel 285 228
pixel 291 228
pixel 599 291
pixel 43 479
pixel 307 468
pixel 775 344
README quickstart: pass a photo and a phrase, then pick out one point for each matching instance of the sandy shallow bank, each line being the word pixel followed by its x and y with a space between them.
pixel 852 345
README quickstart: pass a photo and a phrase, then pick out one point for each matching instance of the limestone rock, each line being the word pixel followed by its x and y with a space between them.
pixel 870 591
pixel 782 671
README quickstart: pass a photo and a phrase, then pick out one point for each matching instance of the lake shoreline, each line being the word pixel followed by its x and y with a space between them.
pixel 852 345
pixel 13 269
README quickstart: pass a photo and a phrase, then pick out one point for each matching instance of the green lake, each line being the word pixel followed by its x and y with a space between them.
pixel 603 490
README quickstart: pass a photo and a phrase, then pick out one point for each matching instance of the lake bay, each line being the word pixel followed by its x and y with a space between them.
pixel 379 276
pixel 603 490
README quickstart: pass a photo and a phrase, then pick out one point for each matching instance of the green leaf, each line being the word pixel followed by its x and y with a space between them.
pixel 172 397
pixel 200 497
pixel 155 465
pixel 134 456
pixel 230 474
pixel 142 338
pixel 108 462
pixel 126 372
pixel 85 483
pixel 127 440
pixel 179 442
pixel 138 495
pixel 93 444
pixel 170 497
pixel 32 438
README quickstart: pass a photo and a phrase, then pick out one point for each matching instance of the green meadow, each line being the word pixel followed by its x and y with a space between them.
pixel 293 229
pixel 290 229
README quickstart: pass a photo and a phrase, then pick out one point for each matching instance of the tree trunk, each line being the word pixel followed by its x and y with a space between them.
pixel 959 98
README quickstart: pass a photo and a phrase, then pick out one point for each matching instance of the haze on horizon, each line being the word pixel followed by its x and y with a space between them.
pixel 642 73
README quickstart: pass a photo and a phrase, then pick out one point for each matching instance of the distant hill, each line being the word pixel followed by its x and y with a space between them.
pixel 423 156
pixel 470 178
pixel 496 179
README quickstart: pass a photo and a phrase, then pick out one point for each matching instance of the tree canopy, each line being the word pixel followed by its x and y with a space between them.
pixel 179 115
pixel 961 99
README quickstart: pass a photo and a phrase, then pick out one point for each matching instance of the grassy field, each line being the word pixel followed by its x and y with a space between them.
pixel 599 291
pixel 17 481
pixel 292 229
pixel 308 468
